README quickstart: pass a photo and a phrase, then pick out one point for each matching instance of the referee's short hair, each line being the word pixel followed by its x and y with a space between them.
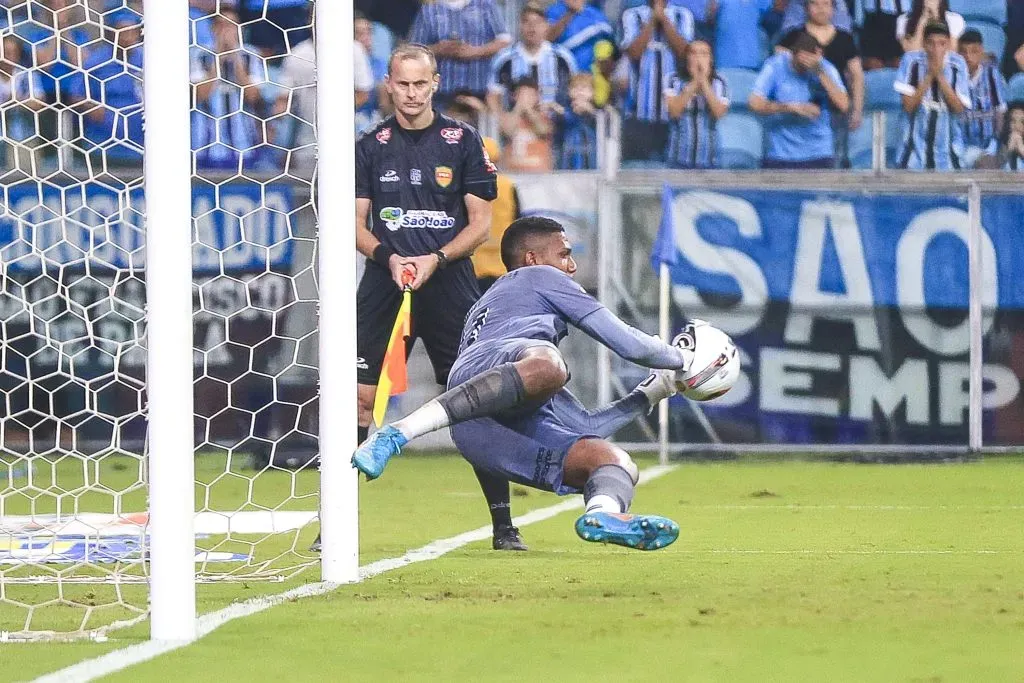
pixel 517 236
pixel 412 51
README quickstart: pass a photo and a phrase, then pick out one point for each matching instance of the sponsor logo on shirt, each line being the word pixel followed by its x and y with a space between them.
pixel 443 175
pixel 488 164
pixel 390 176
pixel 452 135
pixel 383 136
pixel 415 177
pixel 394 218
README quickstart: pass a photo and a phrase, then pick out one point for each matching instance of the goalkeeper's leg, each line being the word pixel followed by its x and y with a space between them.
pixel 536 375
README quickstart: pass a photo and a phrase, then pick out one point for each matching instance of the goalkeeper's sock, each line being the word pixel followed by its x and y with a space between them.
pixel 486 394
pixel 609 489
pixel 496 492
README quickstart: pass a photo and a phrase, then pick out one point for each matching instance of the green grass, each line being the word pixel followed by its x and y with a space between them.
pixel 787 571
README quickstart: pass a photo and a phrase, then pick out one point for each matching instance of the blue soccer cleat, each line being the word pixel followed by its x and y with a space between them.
pixel 643 532
pixel 373 454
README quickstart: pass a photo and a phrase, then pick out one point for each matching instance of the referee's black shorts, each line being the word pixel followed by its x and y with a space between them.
pixel 439 310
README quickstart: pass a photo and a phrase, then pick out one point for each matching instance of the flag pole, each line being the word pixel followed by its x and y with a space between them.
pixel 663 329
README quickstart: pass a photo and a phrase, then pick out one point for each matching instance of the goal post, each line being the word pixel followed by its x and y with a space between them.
pixel 177 312
pixel 168 183
pixel 339 502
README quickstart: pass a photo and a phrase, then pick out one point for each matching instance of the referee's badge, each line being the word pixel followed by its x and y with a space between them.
pixel 443 175
pixel 415 177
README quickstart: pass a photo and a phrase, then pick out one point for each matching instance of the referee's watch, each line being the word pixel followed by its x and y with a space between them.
pixel 442 259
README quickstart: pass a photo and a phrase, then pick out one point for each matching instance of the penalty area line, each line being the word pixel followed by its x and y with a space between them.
pixel 121 659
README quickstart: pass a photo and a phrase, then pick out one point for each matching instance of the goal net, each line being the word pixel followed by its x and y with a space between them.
pixel 73 476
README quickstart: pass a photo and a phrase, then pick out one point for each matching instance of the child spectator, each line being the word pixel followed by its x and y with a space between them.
pixel 527 130
pixel 696 99
pixel 983 121
pixel 577 148
pixel 585 31
pixel 1013 138
pixel 934 85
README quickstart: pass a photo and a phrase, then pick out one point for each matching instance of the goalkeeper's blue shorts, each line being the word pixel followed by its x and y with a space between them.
pixel 527 445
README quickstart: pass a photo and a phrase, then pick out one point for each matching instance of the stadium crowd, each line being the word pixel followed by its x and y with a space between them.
pixel 695 83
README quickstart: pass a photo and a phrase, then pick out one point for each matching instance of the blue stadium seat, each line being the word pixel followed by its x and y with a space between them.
pixel 992 35
pixel 861 142
pixel 740 82
pixel 878 91
pixel 740 141
pixel 1016 88
pixel 989 10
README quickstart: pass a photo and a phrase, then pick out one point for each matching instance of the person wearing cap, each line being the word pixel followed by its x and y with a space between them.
pixel 982 123
pixel 797 92
pixel 934 84
pixel 504 209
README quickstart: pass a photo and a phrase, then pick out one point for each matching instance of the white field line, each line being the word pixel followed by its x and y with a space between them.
pixel 869 508
pixel 119 660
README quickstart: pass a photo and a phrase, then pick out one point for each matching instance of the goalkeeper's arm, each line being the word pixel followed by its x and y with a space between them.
pixel 630 343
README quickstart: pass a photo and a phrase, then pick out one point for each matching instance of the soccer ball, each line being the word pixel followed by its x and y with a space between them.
pixel 716 362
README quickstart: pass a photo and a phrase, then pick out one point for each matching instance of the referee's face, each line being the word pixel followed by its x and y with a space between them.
pixel 411 86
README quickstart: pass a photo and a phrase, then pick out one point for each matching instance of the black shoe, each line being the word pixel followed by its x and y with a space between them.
pixel 508 538
pixel 315 548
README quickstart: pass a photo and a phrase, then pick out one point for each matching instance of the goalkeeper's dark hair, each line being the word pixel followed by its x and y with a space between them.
pixel 517 236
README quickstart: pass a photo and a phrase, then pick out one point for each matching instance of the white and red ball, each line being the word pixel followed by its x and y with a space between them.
pixel 716 362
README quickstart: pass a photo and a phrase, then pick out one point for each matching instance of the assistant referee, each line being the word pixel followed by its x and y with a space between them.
pixel 426 184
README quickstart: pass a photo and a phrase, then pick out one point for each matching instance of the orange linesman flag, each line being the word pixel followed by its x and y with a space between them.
pixel 394 378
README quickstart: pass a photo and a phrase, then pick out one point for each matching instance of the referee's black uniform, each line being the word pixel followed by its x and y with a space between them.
pixel 416 181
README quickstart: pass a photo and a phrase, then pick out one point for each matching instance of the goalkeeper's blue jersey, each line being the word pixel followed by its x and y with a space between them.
pixel 533 302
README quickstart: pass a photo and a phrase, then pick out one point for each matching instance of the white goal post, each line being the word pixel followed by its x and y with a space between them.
pixel 169 277
pixel 177 313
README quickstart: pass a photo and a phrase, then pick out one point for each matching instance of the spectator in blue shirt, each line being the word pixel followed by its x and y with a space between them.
pixel 738 32
pixel 113 124
pixel 982 123
pixel 654 36
pixel 934 85
pixel 579 28
pixel 228 99
pixel 463 35
pixel 531 57
pixel 696 99
pixel 21 92
pixel 274 26
pixel 378 102
pixel 576 136
pixel 797 92
pixel 1013 138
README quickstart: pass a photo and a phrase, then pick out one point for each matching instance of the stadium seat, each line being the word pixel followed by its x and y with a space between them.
pixel 878 90
pixel 993 36
pixel 740 83
pixel 1016 88
pixel 861 143
pixel 740 141
pixel 989 10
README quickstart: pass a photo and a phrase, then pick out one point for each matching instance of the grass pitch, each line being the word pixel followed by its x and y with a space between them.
pixel 783 572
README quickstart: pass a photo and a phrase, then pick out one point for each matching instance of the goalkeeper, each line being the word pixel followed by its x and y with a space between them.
pixel 425 184
pixel 507 403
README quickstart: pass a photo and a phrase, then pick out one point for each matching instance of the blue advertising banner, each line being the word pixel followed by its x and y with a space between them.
pixel 241 226
pixel 850 309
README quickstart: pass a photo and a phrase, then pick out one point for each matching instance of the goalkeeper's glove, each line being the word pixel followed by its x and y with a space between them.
pixel 658 386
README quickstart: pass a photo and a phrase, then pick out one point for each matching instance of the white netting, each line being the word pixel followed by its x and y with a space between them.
pixel 72 302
